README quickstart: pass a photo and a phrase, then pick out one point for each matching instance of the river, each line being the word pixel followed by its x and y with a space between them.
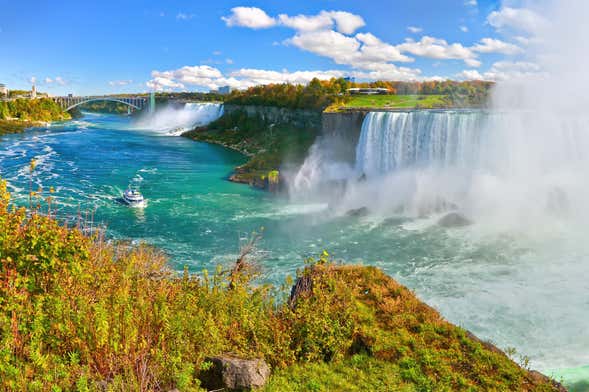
pixel 491 285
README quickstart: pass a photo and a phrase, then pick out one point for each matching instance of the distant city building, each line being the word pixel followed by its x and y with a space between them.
pixel 33 92
pixel 225 90
pixel 368 90
pixel 3 90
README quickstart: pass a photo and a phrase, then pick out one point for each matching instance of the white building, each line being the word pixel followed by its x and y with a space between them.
pixel 33 92
pixel 3 90
pixel 368 90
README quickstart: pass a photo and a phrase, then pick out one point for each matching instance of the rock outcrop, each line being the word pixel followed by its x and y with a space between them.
pixel 454 219
pixel 235 374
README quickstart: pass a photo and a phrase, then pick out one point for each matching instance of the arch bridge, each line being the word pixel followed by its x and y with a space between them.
pixel 70 102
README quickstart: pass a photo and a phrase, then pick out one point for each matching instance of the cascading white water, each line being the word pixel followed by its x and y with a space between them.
pixel 173 121
pixel 396 140
pixel 522 165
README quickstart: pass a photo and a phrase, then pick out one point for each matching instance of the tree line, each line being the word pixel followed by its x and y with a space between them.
pixel 319 94
pixel 42 109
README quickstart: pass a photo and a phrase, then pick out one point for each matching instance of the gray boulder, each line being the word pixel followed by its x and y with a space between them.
pixel 454 219
pixel 358 212
pixel 235 374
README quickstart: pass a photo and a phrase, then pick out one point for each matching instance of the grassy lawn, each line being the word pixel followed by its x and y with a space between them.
pixel 398 101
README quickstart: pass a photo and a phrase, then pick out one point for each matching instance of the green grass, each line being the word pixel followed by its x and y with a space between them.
pixel 397 101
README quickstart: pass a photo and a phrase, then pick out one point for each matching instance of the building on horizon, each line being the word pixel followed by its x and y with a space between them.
pixel 3 90
pixel 225 90
pixel 368 90
pixel 33 92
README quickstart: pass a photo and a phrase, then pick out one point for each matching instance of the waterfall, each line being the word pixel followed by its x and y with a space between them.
pixel 173 120
pixel 505 167
pixel 396 140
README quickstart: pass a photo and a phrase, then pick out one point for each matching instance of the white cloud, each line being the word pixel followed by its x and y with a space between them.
pixel 183 16
pixel 472 3
pixel 33 79
pixel 414 29
pixel 504 70
pixel 260 76
pixel 252 17
pixel 363 51
pixel 464 29
pixel 470 74
pixel 120 82
pixel 48 80
pixel 217 53
pixel 229 61
pixel 211 78
pixel 161 84
pixel 437 48
pixel 345 22
pixel 321 21
pixel 521 19
pixel 491 45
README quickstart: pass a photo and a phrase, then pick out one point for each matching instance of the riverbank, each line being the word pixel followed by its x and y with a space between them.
pixel 81 313
pixel 272 138
pixel 17 126
pixel 19 114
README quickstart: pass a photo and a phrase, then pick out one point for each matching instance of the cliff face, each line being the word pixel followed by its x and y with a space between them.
pixel 298 118
pixel 276 138
pixel 342 131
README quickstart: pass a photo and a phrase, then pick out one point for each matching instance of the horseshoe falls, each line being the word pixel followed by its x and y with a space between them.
pixel 515 275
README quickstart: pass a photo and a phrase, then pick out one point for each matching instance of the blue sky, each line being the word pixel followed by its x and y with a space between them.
pixel 99 47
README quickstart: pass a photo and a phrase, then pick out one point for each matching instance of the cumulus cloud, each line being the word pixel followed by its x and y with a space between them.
pixel 160 83
pixel 470 74
pixel 332 34
pixel 120 82
pixel 212 78
pixel 321 21
pixel 364 50
pixel 346 22
pixel 33 79
pixel 521 19
pixel 48 80
pixel 437 48
pixel 504 70
pixel 472 3
pixel 201 76
pixel 251 17
pixel 491 45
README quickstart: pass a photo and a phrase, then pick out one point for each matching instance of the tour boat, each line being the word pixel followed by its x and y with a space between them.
pixel 133 198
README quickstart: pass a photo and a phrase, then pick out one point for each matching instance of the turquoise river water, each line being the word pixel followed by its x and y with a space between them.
pixel 505 289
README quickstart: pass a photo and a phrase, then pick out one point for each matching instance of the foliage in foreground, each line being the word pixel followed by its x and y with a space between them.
pixel 77 313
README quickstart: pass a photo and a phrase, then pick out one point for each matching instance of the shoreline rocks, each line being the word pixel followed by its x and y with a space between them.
pixel 235 374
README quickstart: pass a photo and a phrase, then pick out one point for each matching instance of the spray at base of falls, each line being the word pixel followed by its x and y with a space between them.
pixel 506 168
pixel 173 121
